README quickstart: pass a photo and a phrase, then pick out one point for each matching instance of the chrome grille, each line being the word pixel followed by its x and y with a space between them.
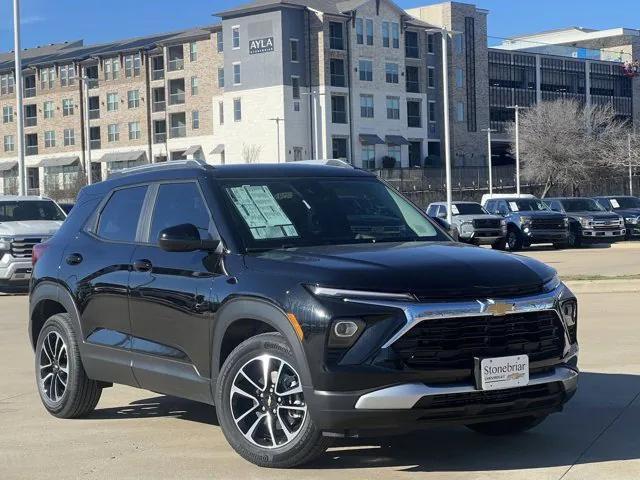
pixel 23 247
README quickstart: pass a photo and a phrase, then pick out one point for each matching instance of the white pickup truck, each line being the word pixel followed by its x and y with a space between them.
pixel 24 221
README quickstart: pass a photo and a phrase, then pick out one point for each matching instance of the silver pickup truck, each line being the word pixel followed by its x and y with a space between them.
pixel 471 223
pixel 24 221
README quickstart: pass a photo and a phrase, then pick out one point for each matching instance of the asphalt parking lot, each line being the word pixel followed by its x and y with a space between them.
pixel 140 434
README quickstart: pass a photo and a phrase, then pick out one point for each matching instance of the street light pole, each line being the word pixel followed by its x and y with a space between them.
pixel 87 128
pixel 630 166
pixel 278 120
pixel 517 109
pixel 22 187
pixel 489 159
pixel 315 123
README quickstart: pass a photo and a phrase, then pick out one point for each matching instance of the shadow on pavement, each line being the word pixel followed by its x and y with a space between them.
pixel 562 440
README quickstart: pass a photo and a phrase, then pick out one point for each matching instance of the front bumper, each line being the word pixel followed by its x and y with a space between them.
pixel 483 236
pixel 545 236
pixel 15 272
pixel 595 236
pixel 633 229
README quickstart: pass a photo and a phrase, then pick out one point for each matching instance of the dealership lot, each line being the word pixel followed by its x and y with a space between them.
pixel 139 434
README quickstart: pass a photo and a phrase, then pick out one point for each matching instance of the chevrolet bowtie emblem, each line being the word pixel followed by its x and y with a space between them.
pixel 497 308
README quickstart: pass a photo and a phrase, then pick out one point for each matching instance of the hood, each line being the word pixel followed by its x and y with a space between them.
pixel 468 218
pixel 595 215
pixel 540 214
pixel 35 228
pixel 628 212
pixel 426 269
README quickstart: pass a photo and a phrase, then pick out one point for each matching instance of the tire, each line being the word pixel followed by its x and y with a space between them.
pixel 574 240
pixel 561 245
pixel 246 421
pixel 513 240
pixel 500 244
pixel 455 234
pixel 57 345
pixel 510 426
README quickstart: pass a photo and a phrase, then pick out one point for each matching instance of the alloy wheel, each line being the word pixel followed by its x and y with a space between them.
pixel 54 367
pixel 267 403
pixel 512 240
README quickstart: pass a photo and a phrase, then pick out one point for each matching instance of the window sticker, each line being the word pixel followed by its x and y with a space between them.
pixel 261 212
pixel 454 210
pixel 615 203
pixel 514 206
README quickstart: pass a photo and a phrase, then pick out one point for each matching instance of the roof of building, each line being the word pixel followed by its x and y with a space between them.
pixel 76 51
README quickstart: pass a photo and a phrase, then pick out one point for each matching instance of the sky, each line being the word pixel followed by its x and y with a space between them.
pixel 52 21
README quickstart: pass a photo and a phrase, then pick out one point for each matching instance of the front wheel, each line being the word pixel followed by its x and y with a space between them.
pixel 261 405
pixel 574 240
pixel 510 426
pixel 500 244
pixel 514 240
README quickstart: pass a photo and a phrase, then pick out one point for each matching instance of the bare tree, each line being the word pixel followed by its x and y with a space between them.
pixel 65 191
pixel 251 153
pixel 563 143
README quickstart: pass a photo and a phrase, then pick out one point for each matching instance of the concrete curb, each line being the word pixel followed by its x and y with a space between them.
pixel 604 286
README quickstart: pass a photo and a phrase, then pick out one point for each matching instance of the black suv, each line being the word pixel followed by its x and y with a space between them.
pixel 305 302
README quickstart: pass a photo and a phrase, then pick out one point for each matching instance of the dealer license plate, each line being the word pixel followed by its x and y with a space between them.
pixel 502 372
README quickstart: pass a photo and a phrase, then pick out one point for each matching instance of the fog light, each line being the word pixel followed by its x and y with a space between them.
pixel 345 329
pixel 526 229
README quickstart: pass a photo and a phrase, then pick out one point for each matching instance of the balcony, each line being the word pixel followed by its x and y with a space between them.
pixel 30 121
pixel 413 87
pixel 177 132
pixel 33 191
pixel 412 51
pixel 161 106
pixel 176 64
pixel 94 114
pixel 157 74
pixel 160 137
pixel 93 83
pixel 95 144
pixel 31 150
pixel 29 92
pixel 176 98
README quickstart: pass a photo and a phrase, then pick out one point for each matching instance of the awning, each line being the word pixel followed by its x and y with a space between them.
pixel 192 150
pixel 6 166
pixel 370 139
pixel 218 149
pixel 58 161
pixel 396 140
pixel 131 156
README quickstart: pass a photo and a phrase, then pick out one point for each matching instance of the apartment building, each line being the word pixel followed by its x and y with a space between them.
pixel 146 99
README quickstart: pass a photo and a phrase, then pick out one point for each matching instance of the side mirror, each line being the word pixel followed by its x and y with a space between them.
pixel 442 215
pixel 184 238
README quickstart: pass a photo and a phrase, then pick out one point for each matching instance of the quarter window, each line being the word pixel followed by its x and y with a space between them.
pixel 113 225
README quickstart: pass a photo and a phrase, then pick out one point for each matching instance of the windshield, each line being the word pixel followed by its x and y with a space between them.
pixel 581 205
pixel 18 211
pixel 467 209
pixel 296 212
pixel 625 202
pixel 527 204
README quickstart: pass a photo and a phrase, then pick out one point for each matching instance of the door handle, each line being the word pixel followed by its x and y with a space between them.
pixel 143 265
pixel 74 258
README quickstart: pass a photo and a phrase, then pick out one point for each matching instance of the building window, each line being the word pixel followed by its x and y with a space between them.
pixel 296 106
pixel 235 37
pixel 67 75
pixel 219 41
pixel 112 102
pixel 95 138
pixel 133 98
pixel 431 77
pixel 395 34
pixel 431 48
pixel 31 143
pixel 113 132
pixel 293 50
pixel 157 67
pixel 193 51
pixel 29 86
pixel 359 31
pixel 459 77
pixel 414 117
pixel 339 148
pixel 295 87
pixel 7 114
pixel 368 157
pixel 432 111
pixel 69 137
pixel 178 124
pixel 9 144
pixel 385 34
pixel 67 107
pixel 366 106
pixel 48 109
pixel 395 152
pixel 336 37
pixel 393 108
pixel 221 113
pixel 49 139
pixel 336 70
pixel 365 67
pixel 338 109
pixel 132 65
pixel 412 75
pixel 7 83
pixel 220 77
pixel 111 68
pixel 412 50
pixel 195 119
pixel 94 108
pixel 236 74
pixel 194 85
pixel 134 130
pixel 458 43
pixel 391 72
pixel 459 112
pixel 369 25
pixel 237 110
pixel 30 115
pixel 47 77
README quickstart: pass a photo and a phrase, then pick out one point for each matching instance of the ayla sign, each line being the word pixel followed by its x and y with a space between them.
pixel 261 45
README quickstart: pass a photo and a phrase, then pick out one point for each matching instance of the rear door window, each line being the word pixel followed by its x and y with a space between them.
pixel 119 218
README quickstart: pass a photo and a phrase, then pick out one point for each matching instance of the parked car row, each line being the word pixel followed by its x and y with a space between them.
pixel 513 222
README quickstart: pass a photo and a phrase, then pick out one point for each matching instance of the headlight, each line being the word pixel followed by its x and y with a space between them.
pixel 466 229
pixel 5 244
pixel 632 220
pixel 524 220
pixel 565 221
pixel 503 223
pixel 552 284
pixel 569 312
pixel 586 222
pixel 340 293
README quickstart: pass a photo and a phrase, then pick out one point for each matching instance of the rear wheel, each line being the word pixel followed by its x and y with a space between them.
pixel 261 405
pixel 510 426
pixel 63 385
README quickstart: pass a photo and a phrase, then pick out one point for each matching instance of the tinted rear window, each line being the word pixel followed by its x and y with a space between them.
pixel 119 217
pixel 19 211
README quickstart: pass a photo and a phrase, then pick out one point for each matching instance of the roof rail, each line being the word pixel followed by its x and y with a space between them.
pixel 150 167
pixel 330 162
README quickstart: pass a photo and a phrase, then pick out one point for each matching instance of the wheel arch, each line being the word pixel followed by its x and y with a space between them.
pixel 47 299
pixel 248 310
